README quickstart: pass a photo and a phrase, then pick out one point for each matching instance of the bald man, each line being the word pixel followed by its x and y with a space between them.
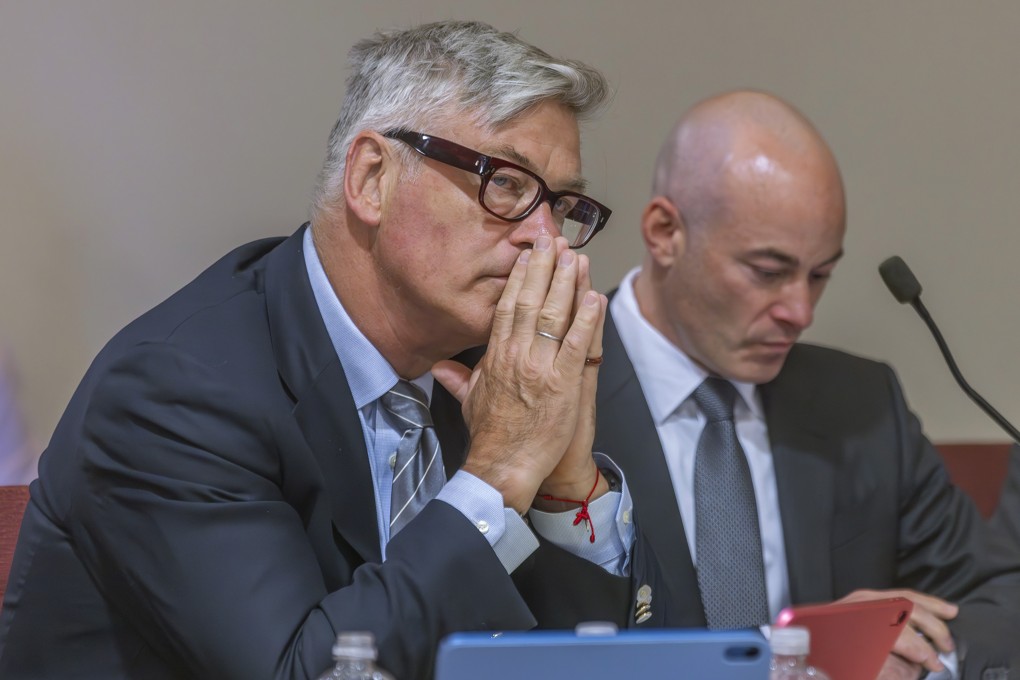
pixel 769 472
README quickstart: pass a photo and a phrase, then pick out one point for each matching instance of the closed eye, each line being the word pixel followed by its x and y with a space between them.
pixel 822 275
pixel 768 275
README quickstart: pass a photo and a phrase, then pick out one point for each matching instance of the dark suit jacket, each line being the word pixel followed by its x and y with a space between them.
pixel 205 509
pixel 1006 520
pixel 864 498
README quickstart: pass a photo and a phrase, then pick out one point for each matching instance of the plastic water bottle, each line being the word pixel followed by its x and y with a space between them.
pixel 355 654
pixel 790 647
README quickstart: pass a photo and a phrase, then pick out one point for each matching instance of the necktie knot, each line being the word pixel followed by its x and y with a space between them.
pixel 715 397
pixel 408 403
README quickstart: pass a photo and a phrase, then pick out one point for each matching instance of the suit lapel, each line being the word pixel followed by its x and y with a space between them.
pixel 450 428
pixel 626 432
pixel 324 408
pixel 803 457
pixel 449 421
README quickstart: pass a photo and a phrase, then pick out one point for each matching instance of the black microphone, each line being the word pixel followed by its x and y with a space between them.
pixel 905 287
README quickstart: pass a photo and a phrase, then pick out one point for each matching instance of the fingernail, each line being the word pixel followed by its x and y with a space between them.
pixel 566 258
pixel 591 298
pixel 543 243
pixel 524 257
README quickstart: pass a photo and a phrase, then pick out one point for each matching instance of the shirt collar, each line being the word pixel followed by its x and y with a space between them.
pixel 368 373
pixel 667 375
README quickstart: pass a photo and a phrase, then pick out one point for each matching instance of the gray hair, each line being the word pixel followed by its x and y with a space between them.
pixel 412 78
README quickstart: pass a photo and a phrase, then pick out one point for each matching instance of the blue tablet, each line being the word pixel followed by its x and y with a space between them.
pixel 608 655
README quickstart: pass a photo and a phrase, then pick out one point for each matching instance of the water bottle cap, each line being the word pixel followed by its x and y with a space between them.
pixel 355 645
pixel 595 628
pixel 790 641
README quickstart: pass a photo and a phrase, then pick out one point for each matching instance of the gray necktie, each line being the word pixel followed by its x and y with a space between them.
pixel 731 573
pixel 418 472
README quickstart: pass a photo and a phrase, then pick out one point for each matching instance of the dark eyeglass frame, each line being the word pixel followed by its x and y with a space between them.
pixel 463 158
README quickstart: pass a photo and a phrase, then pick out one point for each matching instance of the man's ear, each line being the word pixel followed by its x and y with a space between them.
pixel 663 230
pixel 370 164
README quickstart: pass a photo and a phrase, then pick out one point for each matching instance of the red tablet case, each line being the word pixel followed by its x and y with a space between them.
pixel 850 640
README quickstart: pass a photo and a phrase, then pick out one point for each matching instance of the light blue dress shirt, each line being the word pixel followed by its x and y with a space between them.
pixel 370 376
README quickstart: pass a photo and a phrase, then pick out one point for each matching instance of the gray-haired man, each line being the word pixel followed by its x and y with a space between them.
pixel 248 468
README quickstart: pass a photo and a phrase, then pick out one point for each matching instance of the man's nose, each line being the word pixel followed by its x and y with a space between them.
pixel 796 307
pixel 538 223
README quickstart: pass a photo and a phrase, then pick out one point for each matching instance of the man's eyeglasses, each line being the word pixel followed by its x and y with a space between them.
pixel 511 192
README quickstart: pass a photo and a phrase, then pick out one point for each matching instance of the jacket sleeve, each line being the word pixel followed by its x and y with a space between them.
pixel 185 529
pixel 947 549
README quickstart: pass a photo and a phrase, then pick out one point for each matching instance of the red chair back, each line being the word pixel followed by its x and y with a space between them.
pixel 978 469
pixel 13 500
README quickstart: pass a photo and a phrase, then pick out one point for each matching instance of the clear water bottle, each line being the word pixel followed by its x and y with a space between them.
pixel 790 647
pixel 355 654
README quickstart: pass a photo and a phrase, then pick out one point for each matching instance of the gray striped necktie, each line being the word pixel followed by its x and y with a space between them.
pixel 418 471
pixel 731 572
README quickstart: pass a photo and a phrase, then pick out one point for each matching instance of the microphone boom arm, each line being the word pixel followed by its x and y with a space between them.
pixel 975 397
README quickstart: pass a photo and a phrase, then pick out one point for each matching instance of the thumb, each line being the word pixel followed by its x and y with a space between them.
pixel 454 376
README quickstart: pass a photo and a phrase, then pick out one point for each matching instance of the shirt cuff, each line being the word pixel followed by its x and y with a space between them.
pixel 502 527
pixel 612 515
pixel 952 670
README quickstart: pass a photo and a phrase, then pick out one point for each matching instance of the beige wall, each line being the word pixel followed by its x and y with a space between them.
pixel 140 140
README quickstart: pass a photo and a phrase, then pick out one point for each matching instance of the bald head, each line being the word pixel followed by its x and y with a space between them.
pixel 735 143
pixel 743 231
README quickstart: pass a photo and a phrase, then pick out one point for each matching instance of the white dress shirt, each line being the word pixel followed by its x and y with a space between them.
pixel 668 378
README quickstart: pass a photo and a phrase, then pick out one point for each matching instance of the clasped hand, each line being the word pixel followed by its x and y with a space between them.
pixel 529 404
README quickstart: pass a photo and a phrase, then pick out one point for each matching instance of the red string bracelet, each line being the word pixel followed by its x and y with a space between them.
pixel 582 514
